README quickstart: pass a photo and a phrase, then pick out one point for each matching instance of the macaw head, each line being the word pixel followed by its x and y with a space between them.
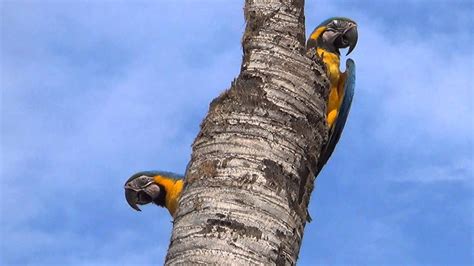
pixel 334 34
pixel 142 189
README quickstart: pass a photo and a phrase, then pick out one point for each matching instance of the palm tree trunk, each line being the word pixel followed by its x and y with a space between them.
pixel 252 168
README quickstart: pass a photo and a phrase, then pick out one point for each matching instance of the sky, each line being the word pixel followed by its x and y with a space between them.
pixel 94 91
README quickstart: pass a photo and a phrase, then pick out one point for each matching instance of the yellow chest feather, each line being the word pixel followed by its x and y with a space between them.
pixel 173 189
pixel 332 62
pixel 172 197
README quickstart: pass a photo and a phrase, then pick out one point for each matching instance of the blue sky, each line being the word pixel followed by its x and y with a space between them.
pixel 93 91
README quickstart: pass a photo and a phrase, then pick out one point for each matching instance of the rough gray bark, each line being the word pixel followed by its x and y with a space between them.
pixel 252 168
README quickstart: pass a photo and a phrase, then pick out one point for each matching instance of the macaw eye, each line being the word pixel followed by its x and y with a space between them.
pixel 143 181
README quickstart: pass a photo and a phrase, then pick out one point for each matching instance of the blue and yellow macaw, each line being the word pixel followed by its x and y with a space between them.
pixel 327 38
pixel 164 188
pixel 158 187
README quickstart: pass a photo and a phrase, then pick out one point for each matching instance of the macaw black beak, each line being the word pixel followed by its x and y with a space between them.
pixel 351 36
pixel 132 198
pixel 140 191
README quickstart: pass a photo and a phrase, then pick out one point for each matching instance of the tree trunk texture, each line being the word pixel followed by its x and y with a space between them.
pixel 252 167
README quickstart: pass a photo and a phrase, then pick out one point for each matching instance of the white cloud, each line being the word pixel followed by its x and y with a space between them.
pixel 457 171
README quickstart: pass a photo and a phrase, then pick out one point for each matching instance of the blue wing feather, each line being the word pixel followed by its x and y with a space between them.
pixel 336 130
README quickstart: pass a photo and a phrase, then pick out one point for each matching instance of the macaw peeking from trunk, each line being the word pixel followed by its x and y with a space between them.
pixel 159 187
pixel 164 188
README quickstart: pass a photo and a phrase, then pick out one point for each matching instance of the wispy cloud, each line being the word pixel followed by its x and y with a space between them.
pixel 88 99
pixel 459 171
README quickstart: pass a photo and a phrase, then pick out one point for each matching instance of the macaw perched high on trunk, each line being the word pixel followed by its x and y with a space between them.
pixel 164 188
pixel 327 38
